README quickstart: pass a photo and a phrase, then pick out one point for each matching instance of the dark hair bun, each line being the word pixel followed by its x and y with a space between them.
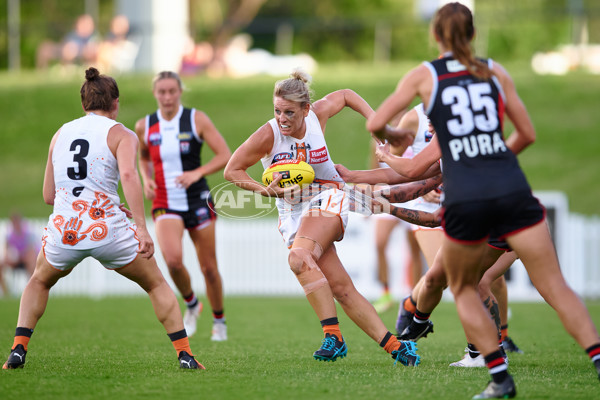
pixel 91 73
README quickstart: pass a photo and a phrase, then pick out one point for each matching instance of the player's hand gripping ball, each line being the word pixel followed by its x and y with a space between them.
pixel 293 172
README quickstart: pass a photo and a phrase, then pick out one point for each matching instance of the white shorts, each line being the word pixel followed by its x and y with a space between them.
pixel 422 205
pixel 390 217
pixel 113 255
pixel 333 202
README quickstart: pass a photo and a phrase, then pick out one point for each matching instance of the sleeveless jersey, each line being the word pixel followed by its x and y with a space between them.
pixel 421 140
pixel 311 148
pixel 423 136
pixel 468 114
pixel 175 147
pixel 86 177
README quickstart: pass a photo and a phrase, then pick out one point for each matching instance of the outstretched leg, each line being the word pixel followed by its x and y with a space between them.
pixel 532 246
pixel 306 250
pixel 145 273
pixel 204 242
pixel 32 307
pixel 322 229
pixel 169 234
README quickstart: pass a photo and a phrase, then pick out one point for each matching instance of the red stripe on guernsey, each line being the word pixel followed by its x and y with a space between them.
pixel 496 362
pixel 453 74
pixel 501 112
pixel 160 199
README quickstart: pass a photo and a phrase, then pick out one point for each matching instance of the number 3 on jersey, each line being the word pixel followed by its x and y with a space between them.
pixel 81 148
pixel 464 102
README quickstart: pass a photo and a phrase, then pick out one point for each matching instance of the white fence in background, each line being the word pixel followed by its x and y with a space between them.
pixel 253 259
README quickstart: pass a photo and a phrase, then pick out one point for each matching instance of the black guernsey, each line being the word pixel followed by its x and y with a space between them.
pixel 467 114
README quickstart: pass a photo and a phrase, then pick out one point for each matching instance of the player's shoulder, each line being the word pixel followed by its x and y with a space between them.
pixel 122 132
pixel 140 125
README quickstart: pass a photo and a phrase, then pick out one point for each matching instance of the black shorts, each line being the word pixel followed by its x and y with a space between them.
pixel 194 219
pixel 475 221
pixel 499 244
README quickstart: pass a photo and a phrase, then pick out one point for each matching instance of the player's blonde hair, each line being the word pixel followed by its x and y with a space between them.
pixel 296 88
pixel 168 75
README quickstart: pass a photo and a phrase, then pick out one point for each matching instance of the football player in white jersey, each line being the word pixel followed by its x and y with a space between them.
pixel 311 227
pixel 87 157
pixel 171 141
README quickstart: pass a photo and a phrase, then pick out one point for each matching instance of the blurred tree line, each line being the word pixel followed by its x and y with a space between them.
pixel 335 30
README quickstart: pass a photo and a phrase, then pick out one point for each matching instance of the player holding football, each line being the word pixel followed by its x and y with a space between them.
pixel 310 227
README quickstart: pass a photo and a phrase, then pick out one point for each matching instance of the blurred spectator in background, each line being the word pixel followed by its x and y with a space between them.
pixel 80 46
pixel 239 60
pixel 20 251
pixel 117 53
pixel 196 58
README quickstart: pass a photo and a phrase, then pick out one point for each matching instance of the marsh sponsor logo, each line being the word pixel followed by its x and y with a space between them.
pixel 476 145
pixel 185 136
pixel 319 156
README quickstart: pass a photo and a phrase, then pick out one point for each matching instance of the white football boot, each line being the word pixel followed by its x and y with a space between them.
pixel 219 332
pixel 469 362
pixel 190 318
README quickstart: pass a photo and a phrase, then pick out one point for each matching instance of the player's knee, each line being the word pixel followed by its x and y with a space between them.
pixel 298 260
pixel 211 274
pixel 434 281
pixel 174 264
pixel 484 289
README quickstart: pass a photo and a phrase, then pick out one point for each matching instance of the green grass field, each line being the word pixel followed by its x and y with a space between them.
pixel 114 348
pixel 564 111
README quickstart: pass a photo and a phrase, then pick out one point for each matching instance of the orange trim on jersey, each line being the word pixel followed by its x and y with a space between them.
pixel 301 152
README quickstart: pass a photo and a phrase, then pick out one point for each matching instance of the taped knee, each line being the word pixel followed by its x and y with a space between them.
pixel 311 280
pixel 315 248
pixel 301 260
pixel 305 252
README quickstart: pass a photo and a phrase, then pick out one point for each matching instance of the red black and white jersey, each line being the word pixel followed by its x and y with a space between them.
pixel 175 147
pixel 467 114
